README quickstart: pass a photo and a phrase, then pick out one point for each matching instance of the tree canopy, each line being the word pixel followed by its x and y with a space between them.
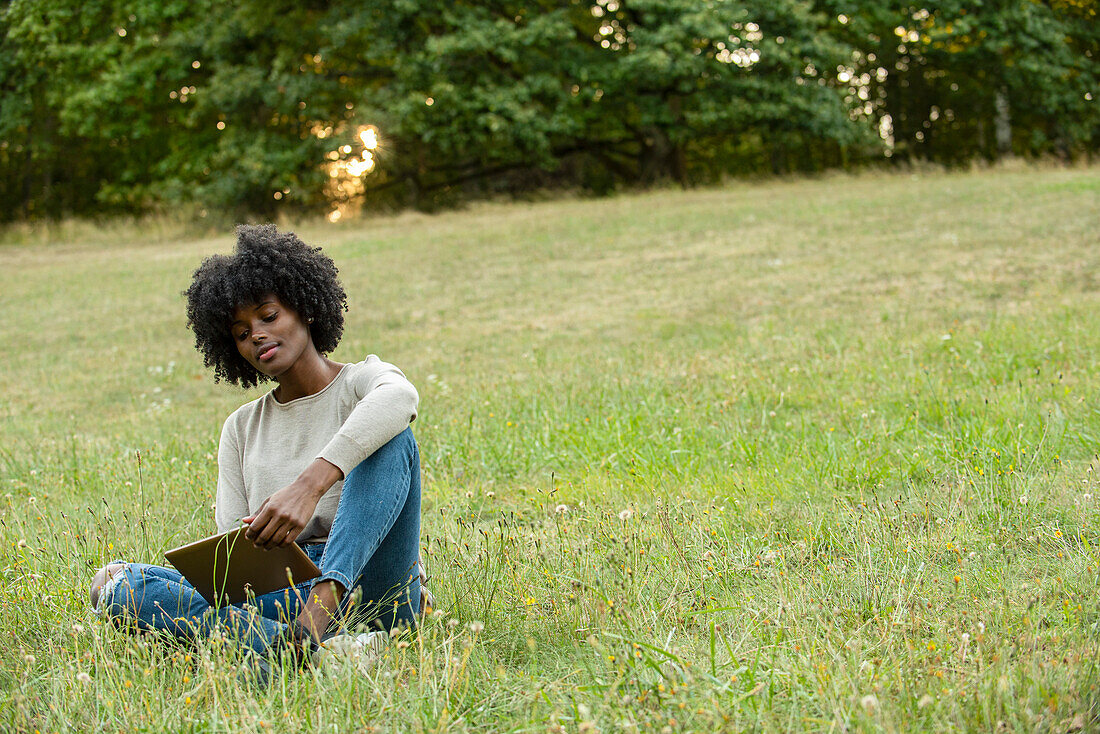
pixel 253 107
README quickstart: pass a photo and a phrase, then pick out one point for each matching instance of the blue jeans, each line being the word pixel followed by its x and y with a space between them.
pixel 372 551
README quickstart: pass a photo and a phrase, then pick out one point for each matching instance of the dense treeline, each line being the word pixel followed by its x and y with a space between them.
pixel 254 106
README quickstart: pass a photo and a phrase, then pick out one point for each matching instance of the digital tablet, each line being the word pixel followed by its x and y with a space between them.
pixel 228 568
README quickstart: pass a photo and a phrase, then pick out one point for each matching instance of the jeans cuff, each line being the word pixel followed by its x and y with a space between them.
pixel 336 576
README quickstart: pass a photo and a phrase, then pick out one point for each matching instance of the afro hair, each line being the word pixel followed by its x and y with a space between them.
pixel 266 262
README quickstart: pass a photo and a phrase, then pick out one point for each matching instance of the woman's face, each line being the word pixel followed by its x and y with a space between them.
pixel 270 335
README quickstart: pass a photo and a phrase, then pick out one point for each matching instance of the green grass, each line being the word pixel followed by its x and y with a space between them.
pixel 806 455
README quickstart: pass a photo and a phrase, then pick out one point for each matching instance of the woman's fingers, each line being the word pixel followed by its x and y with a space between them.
pixel 267 529
pixel 279 537
pixel 282 533
pixel 256 522
pixel 265 533
pixel 270 528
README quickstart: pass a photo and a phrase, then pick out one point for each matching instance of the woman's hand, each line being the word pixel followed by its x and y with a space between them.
pixel 283 515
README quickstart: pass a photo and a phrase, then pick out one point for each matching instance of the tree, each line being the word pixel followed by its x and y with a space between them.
pixel 254 107
pixel 941 80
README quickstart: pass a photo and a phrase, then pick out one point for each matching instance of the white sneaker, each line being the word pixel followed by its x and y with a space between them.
pixel 427 599
pixel 362 651
pixel 103 586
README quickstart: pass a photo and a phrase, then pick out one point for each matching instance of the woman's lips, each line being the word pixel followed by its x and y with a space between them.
pixel 267 353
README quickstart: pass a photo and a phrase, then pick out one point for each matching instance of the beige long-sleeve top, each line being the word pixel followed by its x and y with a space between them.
pixel 266 444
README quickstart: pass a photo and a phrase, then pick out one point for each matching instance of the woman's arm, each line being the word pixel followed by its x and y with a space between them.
pixel 231 500
pixel 282 516
pixel 386 403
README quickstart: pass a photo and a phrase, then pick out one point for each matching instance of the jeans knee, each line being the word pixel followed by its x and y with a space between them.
pixel 399 454
pixel 403 444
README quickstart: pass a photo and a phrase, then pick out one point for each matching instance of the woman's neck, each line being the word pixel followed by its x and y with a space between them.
pixel 311 374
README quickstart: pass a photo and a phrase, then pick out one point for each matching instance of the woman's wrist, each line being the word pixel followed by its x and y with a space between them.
pixel 319 476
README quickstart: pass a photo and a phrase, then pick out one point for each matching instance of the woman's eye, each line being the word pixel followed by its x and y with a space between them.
pixel 241 335
pixel 270 317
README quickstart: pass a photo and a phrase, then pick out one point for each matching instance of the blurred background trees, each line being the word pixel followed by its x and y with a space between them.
pixel 250 108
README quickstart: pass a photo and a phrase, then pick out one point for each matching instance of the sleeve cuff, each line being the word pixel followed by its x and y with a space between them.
pixel 344 453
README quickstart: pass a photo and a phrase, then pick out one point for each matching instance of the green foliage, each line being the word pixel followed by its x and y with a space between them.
pixel 247 108
pixel 939 72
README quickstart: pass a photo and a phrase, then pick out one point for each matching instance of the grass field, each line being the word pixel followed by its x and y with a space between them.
pixel 808 455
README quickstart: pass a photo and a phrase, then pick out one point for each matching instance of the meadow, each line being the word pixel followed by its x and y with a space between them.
pixel 805 455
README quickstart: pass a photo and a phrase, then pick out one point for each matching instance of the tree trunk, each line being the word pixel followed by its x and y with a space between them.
pixel 655 155
pixel 1002 122
pixel 676 158
pixel 28 180
pixel 777 156
pixel 679 166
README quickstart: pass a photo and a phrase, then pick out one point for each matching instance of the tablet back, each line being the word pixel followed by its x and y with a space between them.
pixel 228 568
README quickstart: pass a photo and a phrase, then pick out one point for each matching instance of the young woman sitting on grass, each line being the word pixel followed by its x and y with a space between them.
pixel 326 459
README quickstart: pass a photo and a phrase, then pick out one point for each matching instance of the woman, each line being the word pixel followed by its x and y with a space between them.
pixel 325 459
